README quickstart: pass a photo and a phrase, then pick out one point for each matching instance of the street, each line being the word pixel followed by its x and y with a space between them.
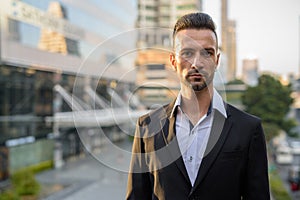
pixel 84 178
pixel 283 172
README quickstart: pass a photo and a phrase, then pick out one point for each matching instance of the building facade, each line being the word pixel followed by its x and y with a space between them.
pixel 250 71
pixel 47 43
pixel 156 80
pixel 228 42
pixel 161 15
pixel 155 21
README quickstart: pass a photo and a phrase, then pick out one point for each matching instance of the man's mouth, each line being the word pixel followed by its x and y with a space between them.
pixel 195 75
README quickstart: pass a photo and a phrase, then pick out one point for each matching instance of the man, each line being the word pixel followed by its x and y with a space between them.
pixel 198 147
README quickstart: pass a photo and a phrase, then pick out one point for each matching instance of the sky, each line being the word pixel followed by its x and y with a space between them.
pixel 268 30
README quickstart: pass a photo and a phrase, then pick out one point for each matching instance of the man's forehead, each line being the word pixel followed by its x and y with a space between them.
pixel 200 38
pixel 192 43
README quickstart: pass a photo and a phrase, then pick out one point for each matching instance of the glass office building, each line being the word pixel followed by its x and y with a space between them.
pixel 47 43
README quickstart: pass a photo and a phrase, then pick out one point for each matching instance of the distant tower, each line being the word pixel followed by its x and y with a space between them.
pixel 250 71
pixel 57 42
pixel 299 48
pixel 157 82
pixel 160 15
pixel 228 39
pixel 224 21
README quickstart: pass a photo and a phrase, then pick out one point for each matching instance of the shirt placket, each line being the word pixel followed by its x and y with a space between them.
pixel 191 152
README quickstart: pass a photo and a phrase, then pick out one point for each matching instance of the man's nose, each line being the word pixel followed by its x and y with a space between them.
pixel 197 61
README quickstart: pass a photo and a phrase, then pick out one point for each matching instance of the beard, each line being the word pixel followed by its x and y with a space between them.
pixel 199 87
pixel 199 83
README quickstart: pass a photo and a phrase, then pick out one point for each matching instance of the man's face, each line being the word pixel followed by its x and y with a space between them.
pixel 195 58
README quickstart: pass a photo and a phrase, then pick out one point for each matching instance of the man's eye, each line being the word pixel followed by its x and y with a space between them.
pixel 206 53
pixel 187 54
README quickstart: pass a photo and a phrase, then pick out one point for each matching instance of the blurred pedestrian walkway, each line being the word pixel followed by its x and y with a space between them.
pixel 84 178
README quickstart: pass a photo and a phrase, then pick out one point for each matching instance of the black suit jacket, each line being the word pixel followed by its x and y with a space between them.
pixel 234 166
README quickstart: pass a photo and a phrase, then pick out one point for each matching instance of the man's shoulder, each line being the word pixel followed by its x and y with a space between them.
pixel 155 115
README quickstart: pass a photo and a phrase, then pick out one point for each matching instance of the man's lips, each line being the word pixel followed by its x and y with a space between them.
pixel 195 75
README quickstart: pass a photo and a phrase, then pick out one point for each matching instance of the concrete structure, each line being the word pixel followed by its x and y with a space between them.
pixel 250 71
pixel 45 59
pixel 54 41
pixel 161 15
pixel 155 79
pixel 228 42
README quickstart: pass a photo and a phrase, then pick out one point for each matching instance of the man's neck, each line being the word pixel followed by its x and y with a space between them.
pixel 195 104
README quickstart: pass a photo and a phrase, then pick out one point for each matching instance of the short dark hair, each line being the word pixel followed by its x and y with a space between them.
pixel 196 20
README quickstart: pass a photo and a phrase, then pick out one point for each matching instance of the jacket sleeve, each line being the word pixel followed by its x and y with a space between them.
pixel 257 181
pixel 139 184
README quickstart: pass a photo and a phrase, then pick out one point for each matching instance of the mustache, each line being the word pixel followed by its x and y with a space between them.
pixel 196 71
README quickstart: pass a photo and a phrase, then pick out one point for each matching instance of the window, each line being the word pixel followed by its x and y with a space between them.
pixel 156 67
pixel 186 7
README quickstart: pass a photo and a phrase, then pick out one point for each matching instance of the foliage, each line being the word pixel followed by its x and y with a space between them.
pixel 9 195
pixel 41 166
pixel 270 130
pixel 25 183
pixel 277 188
pixel 269 100
pixel 288 127
pixel 235 82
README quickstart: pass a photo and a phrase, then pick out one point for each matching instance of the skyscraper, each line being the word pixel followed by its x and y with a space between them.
pixel 299 48
pixel 228 38
pixel 161 15
pixel 157 84
pixel 250 71
pixel 53 41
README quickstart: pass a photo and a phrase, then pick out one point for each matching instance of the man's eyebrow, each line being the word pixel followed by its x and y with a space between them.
pixel 209 49
pixel 187 48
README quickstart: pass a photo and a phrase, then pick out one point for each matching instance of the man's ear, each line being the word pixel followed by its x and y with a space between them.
pixel 218 60
pixel 173 61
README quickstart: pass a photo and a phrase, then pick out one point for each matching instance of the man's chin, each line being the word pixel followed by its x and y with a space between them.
pixel 199 87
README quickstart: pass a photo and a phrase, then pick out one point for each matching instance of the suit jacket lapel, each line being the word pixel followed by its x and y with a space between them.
pixel 219 132
pixel 169 135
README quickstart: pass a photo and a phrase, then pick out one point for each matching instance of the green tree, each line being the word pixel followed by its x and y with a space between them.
pixel 271 101
pixel 235 82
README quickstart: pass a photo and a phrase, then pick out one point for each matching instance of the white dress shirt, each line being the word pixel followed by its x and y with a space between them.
pixel 192 140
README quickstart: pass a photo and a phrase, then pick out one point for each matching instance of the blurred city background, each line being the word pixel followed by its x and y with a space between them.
pixel 75 75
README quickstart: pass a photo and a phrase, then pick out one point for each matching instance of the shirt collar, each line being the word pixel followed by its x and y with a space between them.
pixel 217 104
